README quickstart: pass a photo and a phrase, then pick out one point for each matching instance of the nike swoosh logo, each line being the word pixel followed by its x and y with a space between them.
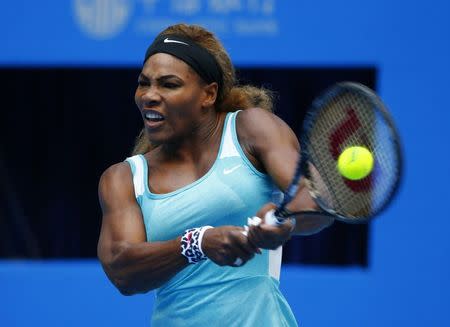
pixel 230 170
pixel 167 40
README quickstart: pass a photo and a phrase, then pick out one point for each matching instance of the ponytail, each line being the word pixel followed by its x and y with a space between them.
pixel 247 96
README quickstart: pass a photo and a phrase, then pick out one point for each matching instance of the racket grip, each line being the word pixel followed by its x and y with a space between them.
pixel 271 219
pixel 254 221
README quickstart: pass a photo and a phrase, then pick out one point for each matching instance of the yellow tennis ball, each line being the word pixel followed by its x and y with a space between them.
pixel 355 162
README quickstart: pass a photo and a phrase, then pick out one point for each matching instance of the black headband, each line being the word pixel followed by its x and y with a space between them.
pixel 191 53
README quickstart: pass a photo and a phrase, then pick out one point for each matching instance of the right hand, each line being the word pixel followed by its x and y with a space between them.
pixel 223 245
pixel 267 236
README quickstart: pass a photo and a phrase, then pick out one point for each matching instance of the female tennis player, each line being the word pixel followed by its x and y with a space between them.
pixel 210 155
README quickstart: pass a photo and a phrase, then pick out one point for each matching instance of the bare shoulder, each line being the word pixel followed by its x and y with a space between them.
pixel 116 182
pixel 253 118
pixel 258 129
pixel 116 174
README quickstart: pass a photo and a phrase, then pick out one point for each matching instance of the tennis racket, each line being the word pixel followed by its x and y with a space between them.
pixel 346 115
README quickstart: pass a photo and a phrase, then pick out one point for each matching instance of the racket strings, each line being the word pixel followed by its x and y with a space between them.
pixel 352 119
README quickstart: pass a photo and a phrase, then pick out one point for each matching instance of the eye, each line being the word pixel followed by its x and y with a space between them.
pixel 171 85
pixel 142 82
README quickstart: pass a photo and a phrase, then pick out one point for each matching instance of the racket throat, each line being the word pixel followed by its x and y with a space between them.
pixel 282 213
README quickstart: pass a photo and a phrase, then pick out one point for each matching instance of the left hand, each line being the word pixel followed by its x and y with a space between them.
pixel 267 236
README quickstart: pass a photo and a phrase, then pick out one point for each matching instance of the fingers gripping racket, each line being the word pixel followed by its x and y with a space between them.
pixel 350 157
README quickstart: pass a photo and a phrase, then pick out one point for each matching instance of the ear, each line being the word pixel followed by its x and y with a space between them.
pixel 210 91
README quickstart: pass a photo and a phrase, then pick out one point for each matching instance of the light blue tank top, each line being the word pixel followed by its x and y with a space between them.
pixel 205 293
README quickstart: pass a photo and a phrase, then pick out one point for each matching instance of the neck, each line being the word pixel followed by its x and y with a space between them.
pixel 204 135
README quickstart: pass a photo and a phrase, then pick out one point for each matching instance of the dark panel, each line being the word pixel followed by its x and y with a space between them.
pixel 61 128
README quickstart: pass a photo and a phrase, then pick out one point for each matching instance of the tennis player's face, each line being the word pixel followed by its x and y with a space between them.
pixel 170 96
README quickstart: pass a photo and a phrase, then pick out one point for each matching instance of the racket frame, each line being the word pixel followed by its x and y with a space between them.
pixel 302 168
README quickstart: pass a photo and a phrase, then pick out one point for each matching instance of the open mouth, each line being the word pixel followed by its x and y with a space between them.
pixel 153 116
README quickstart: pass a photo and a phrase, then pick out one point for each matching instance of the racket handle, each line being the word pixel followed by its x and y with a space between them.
pixel 254 221
pixel 271 219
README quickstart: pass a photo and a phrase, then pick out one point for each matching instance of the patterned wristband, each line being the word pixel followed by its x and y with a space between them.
pixel 191 244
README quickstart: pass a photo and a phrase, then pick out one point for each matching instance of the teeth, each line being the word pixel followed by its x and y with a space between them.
pixel 153 115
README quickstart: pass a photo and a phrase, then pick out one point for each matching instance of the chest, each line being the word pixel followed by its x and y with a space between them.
pixel 226 195
pixel 167 178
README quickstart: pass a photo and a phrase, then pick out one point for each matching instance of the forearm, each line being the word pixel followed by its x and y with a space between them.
pixel 311 224
pixel 308 223
pixel 141 267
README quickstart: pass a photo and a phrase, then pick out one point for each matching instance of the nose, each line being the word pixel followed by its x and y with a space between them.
pixel 151 97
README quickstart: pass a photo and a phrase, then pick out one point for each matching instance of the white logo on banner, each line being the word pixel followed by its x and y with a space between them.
pixel 102 19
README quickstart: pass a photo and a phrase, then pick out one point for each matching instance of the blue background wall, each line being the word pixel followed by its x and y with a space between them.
pixel 408 279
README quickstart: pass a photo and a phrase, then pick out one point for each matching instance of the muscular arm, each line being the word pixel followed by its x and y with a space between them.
pixel 131 263
pixel 137 266
pixel 273 146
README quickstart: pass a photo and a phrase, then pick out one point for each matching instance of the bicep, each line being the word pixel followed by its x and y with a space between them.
pixel 276 146
pixel 280 162
pixel 272 142
pixel 122 221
